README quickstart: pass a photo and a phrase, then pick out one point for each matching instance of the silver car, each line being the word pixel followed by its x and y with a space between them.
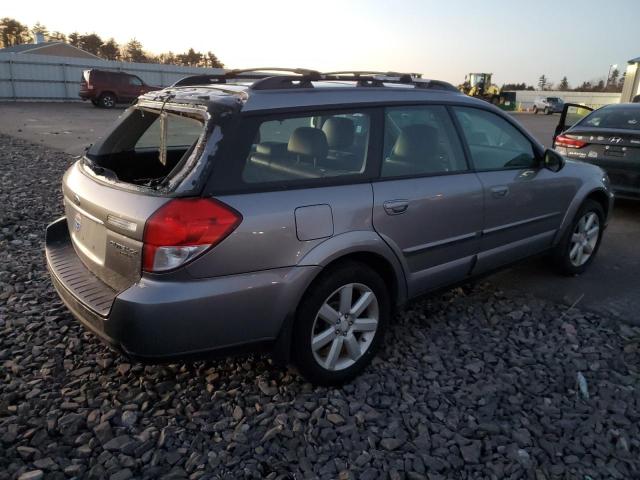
pixel 297 211
pixel 548 105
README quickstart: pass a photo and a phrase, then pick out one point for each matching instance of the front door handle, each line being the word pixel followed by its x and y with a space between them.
pixel 395 207
pixel 500 191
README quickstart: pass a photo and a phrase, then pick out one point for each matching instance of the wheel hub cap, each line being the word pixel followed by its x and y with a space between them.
pixel 584 239
pixel 345 326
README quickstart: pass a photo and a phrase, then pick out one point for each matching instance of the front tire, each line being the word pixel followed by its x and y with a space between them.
pixel 340 323
pixel 579 246
pixel 535 110
pixel 547 111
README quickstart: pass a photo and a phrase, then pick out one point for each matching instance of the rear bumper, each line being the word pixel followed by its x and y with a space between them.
pixel 161 318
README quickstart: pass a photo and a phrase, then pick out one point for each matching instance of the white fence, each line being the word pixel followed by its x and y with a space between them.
pixel 525 98
pixel 44 77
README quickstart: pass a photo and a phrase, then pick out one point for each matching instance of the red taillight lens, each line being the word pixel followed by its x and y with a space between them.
pixel 563 141
pixel 183 229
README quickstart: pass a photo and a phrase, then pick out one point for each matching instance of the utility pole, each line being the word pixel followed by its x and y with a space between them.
pixel 611 67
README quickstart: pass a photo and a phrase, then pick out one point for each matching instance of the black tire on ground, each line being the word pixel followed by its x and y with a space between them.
pixel 107 100
pixel 95 102
pixel 547 111
pixel 535 110
pixel 329 282
pixel 561 253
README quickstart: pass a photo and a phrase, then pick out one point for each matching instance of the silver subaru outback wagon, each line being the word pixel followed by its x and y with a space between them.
pixel 297 210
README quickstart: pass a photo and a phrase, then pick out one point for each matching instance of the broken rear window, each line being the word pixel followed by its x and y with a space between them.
pixel 148 146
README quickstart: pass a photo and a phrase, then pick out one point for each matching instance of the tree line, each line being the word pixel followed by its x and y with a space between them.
pixel 12 32
pixel 613 84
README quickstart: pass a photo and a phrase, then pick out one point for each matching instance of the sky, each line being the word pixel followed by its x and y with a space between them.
pixel 515 40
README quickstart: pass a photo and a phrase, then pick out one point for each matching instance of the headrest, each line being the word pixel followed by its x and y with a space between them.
pixel 274 149
pixel 308 141
pixel 340 132
pixel 414 141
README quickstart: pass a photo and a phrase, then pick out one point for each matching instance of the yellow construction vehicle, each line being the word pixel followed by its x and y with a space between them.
pixel 479 85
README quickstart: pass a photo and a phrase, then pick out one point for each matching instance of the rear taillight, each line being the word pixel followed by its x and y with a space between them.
pixel 567 142
pixel 183 229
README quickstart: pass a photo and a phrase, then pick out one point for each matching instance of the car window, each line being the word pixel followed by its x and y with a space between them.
pixel 420 140
pixel 308 147
pixel 135 81
pixel 614 117
pixel 493 142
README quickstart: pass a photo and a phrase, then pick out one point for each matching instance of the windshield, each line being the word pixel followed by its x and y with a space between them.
pixel 626 118
pixel 553 100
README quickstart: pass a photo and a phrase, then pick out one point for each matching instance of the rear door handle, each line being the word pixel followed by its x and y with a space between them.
pixel 500 191
pixel 395 207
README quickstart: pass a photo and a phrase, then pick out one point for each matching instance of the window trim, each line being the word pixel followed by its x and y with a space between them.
pixel 229 172
pixel 222 180
pixel 537 156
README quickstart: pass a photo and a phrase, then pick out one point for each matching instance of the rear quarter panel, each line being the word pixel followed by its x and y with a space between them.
pixel 268 238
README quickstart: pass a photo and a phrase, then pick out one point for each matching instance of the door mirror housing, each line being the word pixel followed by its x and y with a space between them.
pixel 552 160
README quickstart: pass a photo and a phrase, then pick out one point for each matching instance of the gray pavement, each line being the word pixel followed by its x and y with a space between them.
pixel 69 127
pixel 611 286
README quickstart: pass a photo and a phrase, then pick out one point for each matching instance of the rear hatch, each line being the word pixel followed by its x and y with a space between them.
pixel 616 151
pixel 110 194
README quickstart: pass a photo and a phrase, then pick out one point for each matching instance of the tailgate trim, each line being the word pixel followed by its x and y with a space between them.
pixel 69 271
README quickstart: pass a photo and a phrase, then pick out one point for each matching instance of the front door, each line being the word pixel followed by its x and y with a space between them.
pixel 427 203
pixel 523 202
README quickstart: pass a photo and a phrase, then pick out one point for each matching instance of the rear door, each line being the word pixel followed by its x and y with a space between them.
pixel 136 86
pixel 127 88
pixel 427 202
pixel 523 202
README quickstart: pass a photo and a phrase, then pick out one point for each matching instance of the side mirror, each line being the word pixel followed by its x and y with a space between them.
pixel 552 160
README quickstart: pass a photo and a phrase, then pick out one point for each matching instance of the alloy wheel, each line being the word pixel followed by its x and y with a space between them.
pixel 108 101
pixel 345 326
pixel 584 239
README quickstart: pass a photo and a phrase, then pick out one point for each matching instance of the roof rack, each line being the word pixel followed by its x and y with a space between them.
pixel 240 74
pixel 359 73
pixel 379 79
pixel 303 78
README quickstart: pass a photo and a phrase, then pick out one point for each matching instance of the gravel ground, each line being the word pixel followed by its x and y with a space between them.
pixel 473 383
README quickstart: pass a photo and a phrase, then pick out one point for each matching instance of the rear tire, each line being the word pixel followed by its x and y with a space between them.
pixel 107 100
pixel 340 323
pixel 546 111
pixel 535 110
pixel 581 242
